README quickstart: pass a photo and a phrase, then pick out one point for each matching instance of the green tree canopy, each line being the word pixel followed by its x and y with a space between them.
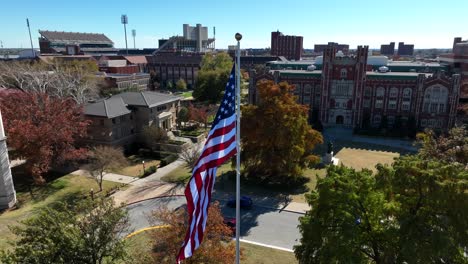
pixel 86 234
pixel 277 141
pixel 212 77
pixel 181 85
pixel 412 212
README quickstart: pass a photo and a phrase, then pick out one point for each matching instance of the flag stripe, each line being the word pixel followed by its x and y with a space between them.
pixel 220 146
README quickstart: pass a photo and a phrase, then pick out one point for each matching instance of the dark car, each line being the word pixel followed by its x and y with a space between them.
pixel 245 202
pixel 231 223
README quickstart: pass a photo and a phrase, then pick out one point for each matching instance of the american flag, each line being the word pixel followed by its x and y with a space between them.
pixel 220 146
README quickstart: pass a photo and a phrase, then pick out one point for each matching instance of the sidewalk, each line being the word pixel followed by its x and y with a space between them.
pixel 113 177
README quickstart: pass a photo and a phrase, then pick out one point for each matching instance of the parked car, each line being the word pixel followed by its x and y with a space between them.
pixel 231 223
pixel 245 202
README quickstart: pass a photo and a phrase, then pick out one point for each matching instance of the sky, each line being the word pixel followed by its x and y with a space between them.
pixel 424 23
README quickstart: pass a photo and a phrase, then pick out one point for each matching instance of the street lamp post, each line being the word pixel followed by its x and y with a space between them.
pixel 143 163
pixel 124 20
pixel 134 35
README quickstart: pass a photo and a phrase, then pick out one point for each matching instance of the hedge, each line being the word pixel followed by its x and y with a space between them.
pixel 169 159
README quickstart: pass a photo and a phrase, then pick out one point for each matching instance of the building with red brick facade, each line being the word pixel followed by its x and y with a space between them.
pixel 348 92
pixel 290 47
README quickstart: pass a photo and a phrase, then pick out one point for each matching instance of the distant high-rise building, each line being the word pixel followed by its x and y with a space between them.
pixel 388 49
pixel 405 49
pixel 194 39
pixel 290 47
pixel 320 48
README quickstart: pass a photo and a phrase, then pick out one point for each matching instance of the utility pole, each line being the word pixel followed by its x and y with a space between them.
pixel 124 20
pixel 134 35
pixel 30 38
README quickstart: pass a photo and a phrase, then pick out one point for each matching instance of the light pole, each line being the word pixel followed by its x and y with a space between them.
pixel 30 38
pixel 134 35
pixel 143 163
pixel 124 20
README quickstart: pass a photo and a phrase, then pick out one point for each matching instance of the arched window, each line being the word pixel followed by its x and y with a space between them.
pixel 343 73
pixel 307 88
pixel 393 92
pixel 380 92
pixel 407 93
pixel 435 99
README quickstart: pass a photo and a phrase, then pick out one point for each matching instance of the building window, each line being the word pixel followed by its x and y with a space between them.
pixel 307 89
pixel 391 120
pixel 113 120
pixel 367 91
pixel 435 99
pixel 380 92
pixel 161 108
pixel 377 119
pixel 344 73
pixel 423 122
pixel 366 103
pixel 379 103
pixel 393 92
pixel 102 122
pixel 407 93
pixel 392 104
pixel 405 106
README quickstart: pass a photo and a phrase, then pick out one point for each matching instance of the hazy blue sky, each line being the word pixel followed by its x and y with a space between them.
pixel 425 23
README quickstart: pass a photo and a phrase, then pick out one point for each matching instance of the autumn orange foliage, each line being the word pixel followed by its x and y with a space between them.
pixel 217 245
pixel 277 141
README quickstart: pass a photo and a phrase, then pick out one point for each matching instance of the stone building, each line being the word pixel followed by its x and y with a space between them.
pixel 120 119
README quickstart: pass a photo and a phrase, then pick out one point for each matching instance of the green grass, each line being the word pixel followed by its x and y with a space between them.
pixel 135 169
pixel 253 254
pixel 139 247
pixel 187 94
pixel 179 175
pixel 69 188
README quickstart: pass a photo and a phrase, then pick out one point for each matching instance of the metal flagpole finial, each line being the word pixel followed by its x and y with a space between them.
pixel 238 36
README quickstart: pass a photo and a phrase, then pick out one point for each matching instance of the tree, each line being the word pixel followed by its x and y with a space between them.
pixel 181 85
pixel 86 234
pixel 43 129
pixel 105 158
pixel 169 85
pixel 75 79
pixel 452 147
pixel 190 155
pixel 277 141
pixel 153 136
pixel 412 212
pixel 215 247
pixel 199 114
pixel 345 222
pixel 182 116
pixel 212 77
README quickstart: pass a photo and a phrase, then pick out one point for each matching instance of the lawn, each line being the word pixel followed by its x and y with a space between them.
pixel 140 246
pixel 68 188
pixel 135 169
pixel 187 94
pixel 179 175
pixel 363 158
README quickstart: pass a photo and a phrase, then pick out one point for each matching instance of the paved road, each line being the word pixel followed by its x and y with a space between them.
pixel 260 224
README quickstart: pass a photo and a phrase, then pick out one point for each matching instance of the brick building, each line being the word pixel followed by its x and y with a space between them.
pixel 348 92
pixel 405 49
pixel 290 47
pixel 388 49
pixel 170 67
pixel 320 48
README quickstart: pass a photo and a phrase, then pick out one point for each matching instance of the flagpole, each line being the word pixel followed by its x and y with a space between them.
pixel 238 113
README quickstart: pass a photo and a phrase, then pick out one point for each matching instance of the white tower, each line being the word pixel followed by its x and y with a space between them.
pixel 7 189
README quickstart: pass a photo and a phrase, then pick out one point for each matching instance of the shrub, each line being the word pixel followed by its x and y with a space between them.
pixel 169 159
pixel 150 170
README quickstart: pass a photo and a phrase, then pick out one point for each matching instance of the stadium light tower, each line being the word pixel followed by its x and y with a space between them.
pixel 134 35
pixel 124 20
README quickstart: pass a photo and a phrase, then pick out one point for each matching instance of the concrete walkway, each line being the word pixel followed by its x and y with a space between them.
pixel 113 177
